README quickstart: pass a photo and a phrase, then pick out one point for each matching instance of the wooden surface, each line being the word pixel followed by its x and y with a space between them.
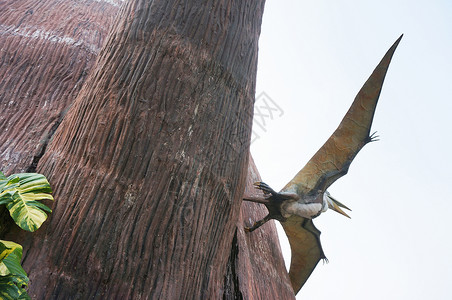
pixel 149 163
pixel 139 213
pixel 47 48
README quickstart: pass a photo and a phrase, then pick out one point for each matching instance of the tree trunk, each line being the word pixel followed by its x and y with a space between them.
pixel 149 164
pixel 116 232
pixel 46 50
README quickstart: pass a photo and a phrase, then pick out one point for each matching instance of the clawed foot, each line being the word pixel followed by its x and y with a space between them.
pixel 258 224
pixel 272 201
pixel 264 188
pixel 248 229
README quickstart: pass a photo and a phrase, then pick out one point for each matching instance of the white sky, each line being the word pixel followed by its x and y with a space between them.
pixel 314 57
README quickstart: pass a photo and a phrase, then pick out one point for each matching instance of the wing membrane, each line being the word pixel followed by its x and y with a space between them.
pixel 333 159
pixel 304 240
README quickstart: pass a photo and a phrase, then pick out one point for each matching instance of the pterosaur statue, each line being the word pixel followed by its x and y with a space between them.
pixel 305 197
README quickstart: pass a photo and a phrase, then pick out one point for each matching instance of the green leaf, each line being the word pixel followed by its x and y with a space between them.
pixel 21 193
pixel 13 287
pixel 13 279
pixel 6 248
pixel 8 187
pixel 12 263
pixel 10 258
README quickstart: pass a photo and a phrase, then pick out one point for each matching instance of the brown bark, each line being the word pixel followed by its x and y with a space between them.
pixel 149 161
pixel 146 205
pixel 46 50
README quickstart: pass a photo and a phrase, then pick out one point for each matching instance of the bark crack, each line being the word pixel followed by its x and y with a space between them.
pixel 37 158
pixel 231 280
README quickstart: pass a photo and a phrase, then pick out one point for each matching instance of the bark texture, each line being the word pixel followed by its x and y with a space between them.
pixel 150 162
pixel 46 50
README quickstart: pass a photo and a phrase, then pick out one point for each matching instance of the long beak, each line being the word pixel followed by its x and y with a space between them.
pixel 336 206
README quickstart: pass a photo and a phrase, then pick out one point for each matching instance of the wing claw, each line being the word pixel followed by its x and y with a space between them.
pixel 373 138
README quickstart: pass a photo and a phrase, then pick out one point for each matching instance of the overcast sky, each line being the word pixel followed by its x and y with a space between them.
pixel 314 56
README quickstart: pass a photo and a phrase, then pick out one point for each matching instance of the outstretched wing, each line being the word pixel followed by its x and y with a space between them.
pixel 304 240
pixel 335 156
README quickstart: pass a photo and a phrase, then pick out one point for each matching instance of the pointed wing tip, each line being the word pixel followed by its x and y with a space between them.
pixel 394 46
pixel 387 57
pixel 396 43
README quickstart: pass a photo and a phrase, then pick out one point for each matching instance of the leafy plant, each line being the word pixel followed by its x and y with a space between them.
pixel 21 194
pixel 13 279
